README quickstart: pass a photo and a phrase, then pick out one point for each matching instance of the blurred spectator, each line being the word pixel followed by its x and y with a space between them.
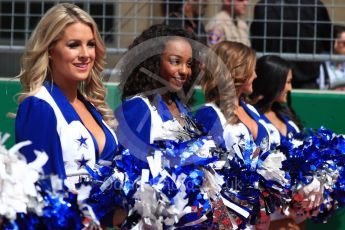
pixel 227 25
pixel 186 14
pixel 332 73
pixel 293 26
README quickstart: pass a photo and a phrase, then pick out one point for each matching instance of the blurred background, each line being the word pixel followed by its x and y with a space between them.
pixel 119 22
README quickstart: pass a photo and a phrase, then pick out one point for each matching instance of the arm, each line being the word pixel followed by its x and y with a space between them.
pixel 36 122
pixel 209 119
pixel 134 118
pixel 226 136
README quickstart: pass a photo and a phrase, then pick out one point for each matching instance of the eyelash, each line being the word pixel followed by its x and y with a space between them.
pixel 177 61
pixel 76 44
pixel 174 61
pixel 91 44
pixel 73 45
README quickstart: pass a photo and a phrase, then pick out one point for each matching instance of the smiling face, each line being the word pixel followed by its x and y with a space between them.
pixel 288 87
pixel 73 55
pixel 176 63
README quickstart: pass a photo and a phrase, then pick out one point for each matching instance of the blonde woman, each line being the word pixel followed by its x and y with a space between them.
pixel 62 108
pixel 224 91
pixel 231 122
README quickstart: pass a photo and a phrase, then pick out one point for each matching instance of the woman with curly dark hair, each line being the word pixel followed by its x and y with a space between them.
pixel 135 80
pixel 157 77
pixel 156 82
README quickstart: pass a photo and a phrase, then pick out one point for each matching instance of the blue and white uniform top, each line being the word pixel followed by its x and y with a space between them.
pixel 275 135
pixel 51 123
pixel 141 123
pixel 230 136
pixel 227 135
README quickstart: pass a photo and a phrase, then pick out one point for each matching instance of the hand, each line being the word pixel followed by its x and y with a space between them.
pixel 312 194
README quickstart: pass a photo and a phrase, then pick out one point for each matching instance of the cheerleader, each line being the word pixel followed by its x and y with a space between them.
pixel 62 108
pixel 226 115
pixel 158 132
pixel 232 122
pixel 270 94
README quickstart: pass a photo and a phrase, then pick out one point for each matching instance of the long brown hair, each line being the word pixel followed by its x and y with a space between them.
pixel 225 75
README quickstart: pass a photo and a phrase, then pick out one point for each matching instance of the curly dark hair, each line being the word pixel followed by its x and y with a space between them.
pixel 135 81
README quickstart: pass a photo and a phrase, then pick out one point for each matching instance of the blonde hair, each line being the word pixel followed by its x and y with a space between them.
pixel 35 67
pixel 226 73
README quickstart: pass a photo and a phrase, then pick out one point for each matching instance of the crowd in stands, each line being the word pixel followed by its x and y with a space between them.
pixel 292 27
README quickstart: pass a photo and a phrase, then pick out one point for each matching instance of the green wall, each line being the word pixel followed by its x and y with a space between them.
pixel 314 108
pixel 8 91
pixel 317 108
